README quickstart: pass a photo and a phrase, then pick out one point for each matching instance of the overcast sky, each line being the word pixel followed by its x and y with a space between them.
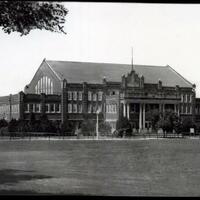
pixel 160 34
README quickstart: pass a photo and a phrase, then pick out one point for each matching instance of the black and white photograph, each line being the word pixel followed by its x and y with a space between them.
pixel 99 99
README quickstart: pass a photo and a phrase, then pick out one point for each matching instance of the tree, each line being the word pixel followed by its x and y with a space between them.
pixel 153 116
pixel 24 16
pixel 123 123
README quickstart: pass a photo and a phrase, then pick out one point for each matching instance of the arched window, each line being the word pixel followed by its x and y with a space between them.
pixel 44 85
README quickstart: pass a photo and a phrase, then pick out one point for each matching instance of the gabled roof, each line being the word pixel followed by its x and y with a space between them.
pixel 76 72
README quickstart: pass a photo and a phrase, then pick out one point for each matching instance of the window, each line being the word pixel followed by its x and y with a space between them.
pixel 52 107
pixel 111 108
pixel 89 96
pixel 44 85
pixel 190 98
pixel 74 108
pixel 100 108
pixel 80 108
pixel 94 97
pixel 69 95
pixel 80 94
pixel 89 108
pixel 94 108
pixel 181 97
pixel 70 108
pixel 47 108
pixel 26 107
pixel 75 95
pixel 30 107
pixel 100 94
pixel 37 107
pixel 57 107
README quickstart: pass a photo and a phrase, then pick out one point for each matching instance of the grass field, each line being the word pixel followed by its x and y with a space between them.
pixel 157 167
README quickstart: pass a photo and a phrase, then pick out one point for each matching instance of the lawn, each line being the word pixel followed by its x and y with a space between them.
pixel 157 167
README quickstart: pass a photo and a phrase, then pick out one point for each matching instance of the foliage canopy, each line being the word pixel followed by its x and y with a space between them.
pixel 24 16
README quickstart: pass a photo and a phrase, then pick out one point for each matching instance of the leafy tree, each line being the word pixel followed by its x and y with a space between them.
pixel 3 123
pixel 88 127
pixel 12 125
pixel 24 16
pixel 123 123
pixel 153 116
pixel 187 124
pixel 104 128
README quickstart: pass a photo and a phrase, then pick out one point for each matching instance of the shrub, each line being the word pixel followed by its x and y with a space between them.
pixel 123 123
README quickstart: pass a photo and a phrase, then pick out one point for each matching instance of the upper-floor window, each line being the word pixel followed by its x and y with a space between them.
pixel 190 98
pixel 44 85
pixel 74 108
pixel 94 96
pixel 111 108
pixel 75 95
pixel 80 95
pixel 69 108
pixel 80 108
pixel 69 95
pixel 100 95
pixel 89 95
pixel 89 108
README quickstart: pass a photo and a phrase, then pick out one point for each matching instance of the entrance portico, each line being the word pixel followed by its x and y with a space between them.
pixel 135 111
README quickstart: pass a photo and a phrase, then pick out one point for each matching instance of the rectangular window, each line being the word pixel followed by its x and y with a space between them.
pixel 57 107
pixel 30 107
pixel 185 98
pixel 107 108
pixel 80 94
pixel 26 107
pixel 52 108
pixel 89 108
pixel 94 108
pixel 69 108
pixel 47 108
pixel 74 108
pixel 37 107
pixel 75 95
pixel 182 97
pixel 80 108
pixel 89 96
pixel 100 94
pixel 94 97
pixel 69 95
pixel 100 108
pixel 190 98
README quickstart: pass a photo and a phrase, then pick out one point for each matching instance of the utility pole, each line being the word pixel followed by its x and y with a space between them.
pixel 97 125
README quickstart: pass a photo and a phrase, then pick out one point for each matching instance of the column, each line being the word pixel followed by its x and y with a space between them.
pixel 178 110
pixel 140 118
pixel 143 116
pixel 128 111
pixel 124 109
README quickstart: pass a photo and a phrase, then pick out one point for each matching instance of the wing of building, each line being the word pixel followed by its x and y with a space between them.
pixel 74 91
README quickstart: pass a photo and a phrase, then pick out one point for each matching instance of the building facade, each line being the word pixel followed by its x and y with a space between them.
pixel 74 91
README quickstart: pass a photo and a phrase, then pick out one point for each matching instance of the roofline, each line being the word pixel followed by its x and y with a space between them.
pixel 52 69
pixel 106 63
pixel 188 82
pixel 36 72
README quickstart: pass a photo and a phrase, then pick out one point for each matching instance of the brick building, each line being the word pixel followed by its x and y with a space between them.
pixel 74 91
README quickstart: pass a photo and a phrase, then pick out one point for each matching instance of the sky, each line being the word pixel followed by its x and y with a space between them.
pixel 160 34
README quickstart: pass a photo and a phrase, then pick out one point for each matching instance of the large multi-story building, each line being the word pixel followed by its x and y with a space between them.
pixel 74 91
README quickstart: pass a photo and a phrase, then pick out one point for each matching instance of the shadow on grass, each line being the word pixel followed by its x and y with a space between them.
pixel 15 176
